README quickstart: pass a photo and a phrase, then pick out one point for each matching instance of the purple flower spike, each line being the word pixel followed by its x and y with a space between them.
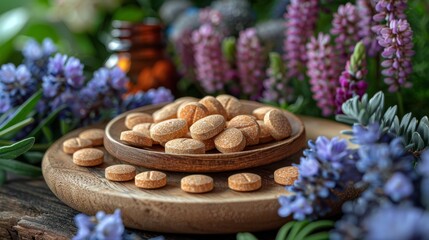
pixel 323 72
pixel 276 86
pixel 366 10
pixel 398 187
pixel 352 79
pixel 212 69
pixel 301 20
pixel 396 39
pixel 345 28
pixel 387 11
pixel 250 63
pixel 16 85
pixel 103 226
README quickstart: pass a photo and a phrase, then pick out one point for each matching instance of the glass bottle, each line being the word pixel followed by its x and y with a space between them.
pixel 139 50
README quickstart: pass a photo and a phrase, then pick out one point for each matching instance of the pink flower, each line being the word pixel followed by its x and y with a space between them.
pixel 366 10
pixel 301 20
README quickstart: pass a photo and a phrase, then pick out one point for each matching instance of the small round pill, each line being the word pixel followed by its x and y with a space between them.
pixel 169 111
pixel 197 183
pixel 192 112
pixel 232 105
pixel 169 130
pixel 248 126
pixel 151 180
pixel 88 157
pixel 143 128
pixel 120 172
pixel 95 135
pixel 133 119
pixel 278 124
pixel 73 144
pixel 264 135
pixel 185 146
pixel 244 182
pixel 230 140
pixel 209 143
pixel 286 175
pixel 136 139
pixel 260 112
pixel 207 127
pixel 214 106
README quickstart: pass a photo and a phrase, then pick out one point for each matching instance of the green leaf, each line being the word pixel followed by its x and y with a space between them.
pixel 16 149
pixel 11 23
pixel 20 168
pixel 33 157
pixel 15 128
pixel 2 177
pixel 45 122
pixel 228 49
pixel 296 229
pixel 314 226
pixel 318 236
pixel 282 233
pixel 246 236
pixel 23 111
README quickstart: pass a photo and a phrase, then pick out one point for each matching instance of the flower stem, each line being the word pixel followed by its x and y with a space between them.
pixel 400 103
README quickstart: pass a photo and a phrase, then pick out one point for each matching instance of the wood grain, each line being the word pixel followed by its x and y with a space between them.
pixel 170 209
pixel 213 161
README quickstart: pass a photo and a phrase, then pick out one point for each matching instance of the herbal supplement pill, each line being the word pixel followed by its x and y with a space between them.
pixel 73 144
pixel 185 146
pixel 120 172
pixel 277 124
pixel 133 119
pixel 135 139
pixel 95 135
pixel 169 130
pixel 260 112
pixel 214 106
pixel 167 112
pixel 244 182
pixel 144 128
pixel 88 157
pixel 231 104
pixel 197 183
pixel 286 175
pixel 192 112
pixel 264 135
pixel 230 140
pixel 207 127
pixel 151 180
pixel 248 126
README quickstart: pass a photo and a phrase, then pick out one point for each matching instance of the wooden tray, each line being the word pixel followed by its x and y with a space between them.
pixel 213 161
pixel 170 209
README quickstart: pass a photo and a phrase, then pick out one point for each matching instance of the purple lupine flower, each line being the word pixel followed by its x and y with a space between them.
pixel 352 79
pixel 327 166
pixel 396 39
pixel 250 63
pixel 367 135
pixel 397 222
pixel 276 86
pixel 212 69
pixel 387 11
pixel 17 83
pixel 102 227
pixel 366 10
pixel 36 56
pixel 160 95
pixel 323 72
pixel 398 187
pixel 345 28
pixel 423 167
pixel 5 104
pixel 185 50
pixel 301 20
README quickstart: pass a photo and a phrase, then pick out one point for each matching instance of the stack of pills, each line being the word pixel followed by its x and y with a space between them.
pixel 188 124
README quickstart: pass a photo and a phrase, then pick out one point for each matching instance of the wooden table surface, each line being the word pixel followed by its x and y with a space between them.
pixel 29 210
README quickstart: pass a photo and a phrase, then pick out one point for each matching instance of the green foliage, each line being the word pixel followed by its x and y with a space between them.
pixel 366 111
pixel 228 49
pixel 298 230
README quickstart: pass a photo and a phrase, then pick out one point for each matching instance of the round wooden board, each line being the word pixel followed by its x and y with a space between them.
pixel 213 161
pixel 170 209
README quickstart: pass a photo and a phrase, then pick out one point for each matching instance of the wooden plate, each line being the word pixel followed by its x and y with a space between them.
pixel 170 209
pixel 156 158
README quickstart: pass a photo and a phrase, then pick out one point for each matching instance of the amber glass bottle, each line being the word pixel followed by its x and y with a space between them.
pixel 139 50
